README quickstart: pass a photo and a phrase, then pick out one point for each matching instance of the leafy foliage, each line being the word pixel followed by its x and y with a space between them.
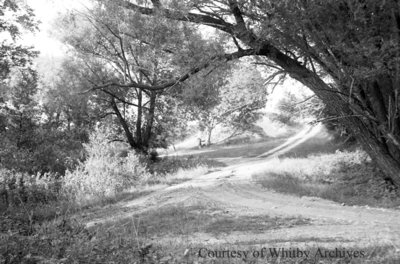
pixel 132 51
pixel 27 145
pixel 103 173
pixel 14 19
pixel 294 110
pixel 19 121
pixel 230 97
pixel 65 105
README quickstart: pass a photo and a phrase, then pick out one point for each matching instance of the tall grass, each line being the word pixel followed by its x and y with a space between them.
pixel 318 167
pixel 345 177
pixel 18 188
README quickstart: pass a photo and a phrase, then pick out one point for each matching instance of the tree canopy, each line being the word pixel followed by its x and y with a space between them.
pixel 136 63
pixel 342 50
pixel 15 18
pixel 230 97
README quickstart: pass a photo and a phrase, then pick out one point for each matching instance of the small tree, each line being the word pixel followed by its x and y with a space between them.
pixel 231 98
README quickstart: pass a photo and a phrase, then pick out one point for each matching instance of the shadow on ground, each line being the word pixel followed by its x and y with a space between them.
pixel 311 147
pixel 227 154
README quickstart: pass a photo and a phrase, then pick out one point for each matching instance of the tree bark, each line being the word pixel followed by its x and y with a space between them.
pixel 209 133
pixel 359 126
pixel 139 119
pixel 150 119
pixel 124 125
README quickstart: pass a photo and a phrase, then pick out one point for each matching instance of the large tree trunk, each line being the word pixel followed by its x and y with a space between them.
pixel 209 133
pixel 139 119
pixel 124 125
pixel 367 129
pixel 150 119
pixel 383 158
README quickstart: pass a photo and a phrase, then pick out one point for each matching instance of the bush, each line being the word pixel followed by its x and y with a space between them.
pixel 103 173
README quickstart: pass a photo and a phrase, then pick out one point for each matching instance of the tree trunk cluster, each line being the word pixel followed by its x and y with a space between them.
pixel 140 139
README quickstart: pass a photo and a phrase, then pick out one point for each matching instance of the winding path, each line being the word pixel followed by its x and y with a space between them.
pixel 232 189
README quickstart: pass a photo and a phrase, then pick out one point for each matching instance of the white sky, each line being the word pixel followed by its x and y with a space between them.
pixel 47 11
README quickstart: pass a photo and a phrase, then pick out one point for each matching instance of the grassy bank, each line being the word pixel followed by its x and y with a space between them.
pixel 345 177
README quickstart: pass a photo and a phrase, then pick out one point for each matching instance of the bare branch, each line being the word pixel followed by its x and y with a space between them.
pixel 305 100
pixel 119 98
pixel 236 43
pixel 268 65
pixel 106 114
pixel 333 118
pixel 234 6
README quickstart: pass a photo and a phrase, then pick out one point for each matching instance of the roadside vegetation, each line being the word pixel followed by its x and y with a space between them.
pixel 348 177
pixel 38 219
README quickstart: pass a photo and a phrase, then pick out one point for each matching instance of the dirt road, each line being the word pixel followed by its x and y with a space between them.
pixel 232 190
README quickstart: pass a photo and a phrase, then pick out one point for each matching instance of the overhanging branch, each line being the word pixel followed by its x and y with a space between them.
pixel 168 84
pixel 181 16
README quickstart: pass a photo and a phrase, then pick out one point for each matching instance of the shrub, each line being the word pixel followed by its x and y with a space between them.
pixel 103 173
